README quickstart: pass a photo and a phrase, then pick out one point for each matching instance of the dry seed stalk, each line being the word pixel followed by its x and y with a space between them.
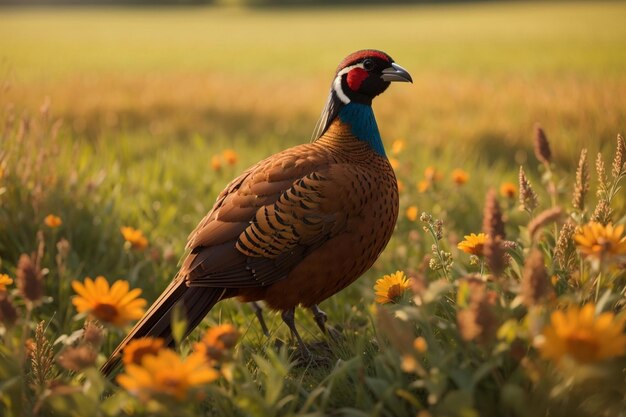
pixel 8 312
pixel 29 279
pixel 93 334
pixel 582 182
pixel 42 359
pixel 602 180
pixel 542 146
pixel 527 196
pixel 493 225
pixel 495 255
pixel 77 358
pixel 603 212
pixel 564 246
pixel 619 162
pixel 478 320
pixel 545 217
pixel 534 285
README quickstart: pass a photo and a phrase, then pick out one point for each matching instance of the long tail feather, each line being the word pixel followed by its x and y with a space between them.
pixel 156 322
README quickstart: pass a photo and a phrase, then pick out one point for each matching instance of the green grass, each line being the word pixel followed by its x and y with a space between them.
pixel 483 73
pixel 526 38
pixel 148 96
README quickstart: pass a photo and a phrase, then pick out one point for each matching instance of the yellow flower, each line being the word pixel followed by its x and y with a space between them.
pixel 432 174
pixel 411 213
pixel 423 186
pixel 394 163
pixel 4 281
pixel 115 305
pixel 579 335
pixel 459 176
pixel 390 288
pixel 217 343
pixel 408 363
pixel 135 237
pixel 216 163
pixel 138 349
pixel 230 156
pixel 597 242
pixel 397 146
pixel 52 221
pixel 168 374
pixel 473 244
pixel 420 344
pixel 508 190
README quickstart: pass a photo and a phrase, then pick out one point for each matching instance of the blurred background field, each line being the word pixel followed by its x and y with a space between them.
pixel 147 93
pixel 114 117
pixel 484 73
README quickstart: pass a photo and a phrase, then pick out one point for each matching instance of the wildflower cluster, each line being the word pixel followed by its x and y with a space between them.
pixel 548 303
pixel 115 304
pixel 440 260
pixel 391 288
pixel 518 311
pixel 227 157
pixel 134 238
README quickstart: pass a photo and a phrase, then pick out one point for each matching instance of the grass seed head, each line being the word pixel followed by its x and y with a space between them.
pixel 602 180
pixel 77 358
pixel 619 162
pixel 496 256
pixel 477 321
pixel 534 286
pixel 41 358
pixel 582 182
pixel 603 212
pixel 542 146
pixel 527 197
pixel 544 218
pixel 93 334
pixel 29 279
pixel 8 312
pixel 564 246
pixel 493 225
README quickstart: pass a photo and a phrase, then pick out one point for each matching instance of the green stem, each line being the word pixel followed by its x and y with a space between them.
pixel 441 260
pixel 22 350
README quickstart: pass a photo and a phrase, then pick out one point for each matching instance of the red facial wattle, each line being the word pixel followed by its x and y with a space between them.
pixel 355 78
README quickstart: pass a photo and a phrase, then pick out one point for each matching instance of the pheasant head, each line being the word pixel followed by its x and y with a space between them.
pixel 363 75
pixel 359 78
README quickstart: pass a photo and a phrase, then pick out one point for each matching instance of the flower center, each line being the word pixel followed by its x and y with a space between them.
pixel 582 346
pixel 138 354
pixel 173 385
pixel 395 292
pixel 171 382
pixel 478 249
pixel 606 245
pixel 105 312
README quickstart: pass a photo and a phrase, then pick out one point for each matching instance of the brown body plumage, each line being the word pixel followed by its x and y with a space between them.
pixel 291 230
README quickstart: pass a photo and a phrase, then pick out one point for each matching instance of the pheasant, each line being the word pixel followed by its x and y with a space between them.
pixel 299 226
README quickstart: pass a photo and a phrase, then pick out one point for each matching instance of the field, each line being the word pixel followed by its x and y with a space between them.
pixel 138 117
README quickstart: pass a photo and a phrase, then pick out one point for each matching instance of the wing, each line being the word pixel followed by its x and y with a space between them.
pixel 267 220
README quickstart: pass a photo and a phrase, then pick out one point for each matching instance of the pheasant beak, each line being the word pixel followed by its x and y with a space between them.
pixel 396 73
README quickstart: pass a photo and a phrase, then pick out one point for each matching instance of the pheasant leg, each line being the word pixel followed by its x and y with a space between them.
pixel 288 317
pixel 258 311
pixel 321 318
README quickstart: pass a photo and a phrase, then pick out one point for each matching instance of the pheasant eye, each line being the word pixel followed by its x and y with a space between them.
pixel 368 64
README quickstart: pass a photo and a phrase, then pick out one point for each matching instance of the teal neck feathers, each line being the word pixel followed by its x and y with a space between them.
pixel 360 118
